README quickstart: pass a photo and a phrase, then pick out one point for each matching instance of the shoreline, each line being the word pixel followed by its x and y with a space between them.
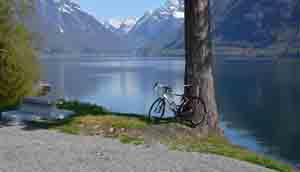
pixel 93 120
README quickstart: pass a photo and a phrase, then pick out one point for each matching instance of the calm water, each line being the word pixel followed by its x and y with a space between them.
pixel 259 102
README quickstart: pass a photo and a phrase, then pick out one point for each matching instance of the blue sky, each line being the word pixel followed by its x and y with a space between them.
pixel 118 8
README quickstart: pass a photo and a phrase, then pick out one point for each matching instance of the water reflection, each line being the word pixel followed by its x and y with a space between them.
pixel 119 85
pixel 263 99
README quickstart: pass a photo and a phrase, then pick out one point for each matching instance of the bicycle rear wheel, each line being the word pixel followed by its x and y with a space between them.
pixel 185 113
pixel 195 123
pixel 157 109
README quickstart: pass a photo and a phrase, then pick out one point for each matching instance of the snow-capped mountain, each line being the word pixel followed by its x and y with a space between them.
pixel 63 26
pixel 157 27
pixel 255 23
pixel 121 26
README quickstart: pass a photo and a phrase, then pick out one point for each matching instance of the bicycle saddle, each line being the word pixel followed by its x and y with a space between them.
pixel 187 86
pixel 157 84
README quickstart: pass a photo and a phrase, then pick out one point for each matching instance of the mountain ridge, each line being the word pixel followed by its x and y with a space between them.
pixel 239 23
pixel 121 26
pixel 64 27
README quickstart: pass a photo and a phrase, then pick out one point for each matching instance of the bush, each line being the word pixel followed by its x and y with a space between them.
pixel 18 65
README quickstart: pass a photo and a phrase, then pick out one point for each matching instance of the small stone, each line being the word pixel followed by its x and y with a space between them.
pixel 147 146
pixel 100 154
pixel 112 130
pixel 100 132
pixel 96 127
pixel 123 129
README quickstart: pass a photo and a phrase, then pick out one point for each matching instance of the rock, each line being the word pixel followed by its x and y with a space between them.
pixel 96 127
pixel 100 132
pixel 123 129
pixel 112 130
pixel 101 154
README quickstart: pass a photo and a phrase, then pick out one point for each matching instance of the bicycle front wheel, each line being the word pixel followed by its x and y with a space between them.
pixel 157 109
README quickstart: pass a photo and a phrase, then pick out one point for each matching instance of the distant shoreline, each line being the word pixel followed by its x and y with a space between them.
pixel 224 54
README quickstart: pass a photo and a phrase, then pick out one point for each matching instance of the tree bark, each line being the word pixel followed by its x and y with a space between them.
pixel 199 62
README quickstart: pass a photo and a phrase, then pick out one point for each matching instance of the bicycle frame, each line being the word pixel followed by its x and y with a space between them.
pixel 170 103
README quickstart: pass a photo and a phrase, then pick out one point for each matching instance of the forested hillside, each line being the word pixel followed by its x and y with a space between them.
pixel 18 66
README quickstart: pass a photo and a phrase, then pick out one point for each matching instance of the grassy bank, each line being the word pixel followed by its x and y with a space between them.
pixel 135 129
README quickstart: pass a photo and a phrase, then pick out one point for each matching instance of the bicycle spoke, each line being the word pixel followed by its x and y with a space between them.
pixel 157 109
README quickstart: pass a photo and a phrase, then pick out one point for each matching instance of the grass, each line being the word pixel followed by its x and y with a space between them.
pixel 220 146
pixel 111 121
pixel 127 139
pixel 134 129
pixel 89 119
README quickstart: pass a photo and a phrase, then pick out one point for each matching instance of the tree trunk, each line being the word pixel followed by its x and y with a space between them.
pixel 199 63
pixel 297 39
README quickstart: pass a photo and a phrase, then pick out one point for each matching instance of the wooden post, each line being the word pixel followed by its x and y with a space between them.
pixel 199 62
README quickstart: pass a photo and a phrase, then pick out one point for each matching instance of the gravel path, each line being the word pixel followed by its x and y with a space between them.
pixel 50 151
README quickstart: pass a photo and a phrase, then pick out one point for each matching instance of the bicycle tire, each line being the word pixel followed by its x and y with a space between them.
pixel 194 124
pixel 197 123
pixel 158 103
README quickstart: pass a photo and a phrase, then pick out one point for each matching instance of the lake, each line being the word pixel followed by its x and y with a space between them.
pixel 259 102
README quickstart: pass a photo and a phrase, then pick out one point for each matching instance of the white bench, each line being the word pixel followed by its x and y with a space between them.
pixel 36 108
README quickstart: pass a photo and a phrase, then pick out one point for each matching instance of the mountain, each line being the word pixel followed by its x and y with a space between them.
pixel 156 28
pixel 62 26
pixel 121 26
pixel 260 22
pixel 239 23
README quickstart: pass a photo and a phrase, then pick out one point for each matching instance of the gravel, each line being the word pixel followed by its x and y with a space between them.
pixel 24 150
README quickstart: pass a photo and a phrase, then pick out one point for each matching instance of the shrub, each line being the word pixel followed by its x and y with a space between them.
pixel 18 65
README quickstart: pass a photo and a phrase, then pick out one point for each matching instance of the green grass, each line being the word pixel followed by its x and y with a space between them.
pixel 127 139
pixel 111 121
pixel 220 146
pixel 87 116
pixel 118 120
pixel 82 109
pixel 69 129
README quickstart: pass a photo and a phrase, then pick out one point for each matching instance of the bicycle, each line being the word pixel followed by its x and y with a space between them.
pixel 181 110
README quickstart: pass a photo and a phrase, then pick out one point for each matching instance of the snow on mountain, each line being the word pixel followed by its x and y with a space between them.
pixel 158 26
pixel 175 8
pixel 259 23
pixel 120 25
pixel 64 27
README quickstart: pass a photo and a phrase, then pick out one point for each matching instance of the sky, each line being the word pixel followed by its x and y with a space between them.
pixel 104 9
